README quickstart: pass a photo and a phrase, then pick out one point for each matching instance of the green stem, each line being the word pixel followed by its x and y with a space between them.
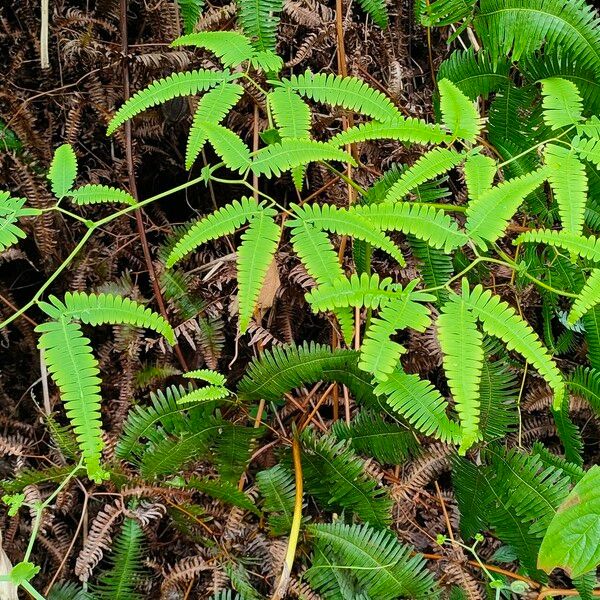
pixel 31 590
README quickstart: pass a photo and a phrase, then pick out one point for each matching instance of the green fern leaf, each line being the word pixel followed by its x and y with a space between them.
pixel 462 345
pixel 254 256
pixel 500 320
pixel 259 20
pixel 569 434
pixel 424 222
pixel 585 383
pixel 233 448
pixel 212 107
pixel 588 149
pixel 95 194
pixel 205 394
pixel 561 102
pixel 344 222
pixel 277 487
pixel 459 113
pixel 377 9
pixel 417 401
pixel 231 47
pixel 383 567
pixel 188 83
pixel 106 308
pixel 479 174
pixel 222 490
pixel 281 370
pixel 430 165
pixel 585 247
pixel 369 434
pixel 63 170
pixel 488 216
pixel 588 298
pixel 290 153
pixel 229 146
pixel 403 130
pixel 11 210
pixel 337 478
pixel 590 127
pixel 74 369
pixel 190 13
pixel 348 92
pixel 567 176
pixel 208 375
pixel 443 12
pixel 267 60
pixel 435 266
pixel 222 222
pixel 291 113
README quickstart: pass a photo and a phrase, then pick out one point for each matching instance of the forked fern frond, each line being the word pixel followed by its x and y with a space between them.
pixel 348 92
pixel 488 215
pixel 231 47
pixel 459 113
pixel 561 102
pixel 95 194
pixel 11 210
pixel 187 83
pixel 429 166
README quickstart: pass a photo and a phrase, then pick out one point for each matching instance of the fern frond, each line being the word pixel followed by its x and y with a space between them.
pixel 267 60
pixel 259 20
pixel 444 12
pixel 190 13
pixel 70 362
pixel 462 345
pixel 205 394
pixel 212 107
pixel 337 478
pixel 187 83
pixel 590 127
pixel 430 165
pixel 222 222
pixel 567 176
pixel 11 210
pixel 500 320
pixel 231 47
pixel 95 194
pixel 344 222
pixel 488 216
pixel 585 383
pixel 479 174
pixel 587 298
pixel 561 102
pixel 459 113
pixel 417 401
pixel 222 490
pixel 591 322
pixel 278 489
pixel 348 92
pixel 580 245
pixel 118 583
pixel 292 114
pixel 228 145
pixel 369 434
pixel 377 9
pixel 290 153
pixel 401 129
pixel 99 309
pixel 568 434
pixel 572 470
pixel 427 223
pixel 233 448
pixel 208 375
pixel 63 170
pixel 588 149
pixel 280 370
pixel 254 256
pixel 435 266
pixel 383 567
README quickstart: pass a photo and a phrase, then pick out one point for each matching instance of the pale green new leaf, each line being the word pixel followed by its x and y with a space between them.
pixel 479 174
pixel 571 540
pixel 205 394
pixel 588 298
pixel 588 149
pixel 11 209
pixel 230 147
pixel 459 113
pixel 96 194
pixel 292 114
pixel 231 47
pixel 208 375
pixel 561 102
pixel 580 245
pixel 63 170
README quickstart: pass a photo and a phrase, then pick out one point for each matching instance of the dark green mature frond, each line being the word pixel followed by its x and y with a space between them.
pixel 377 9
pixel 337 478
pixel 119 582
pixel 281 370
pixel 488 215
pixel 259 20
pixel 572 470
pixel 591 322
pixel 278 489
pixel 231 47
pixel 462 345
pixel 187 83
pixel 240 581
pixel 232 449
pixel 11 210
pixel 584 383
pixel 519 28
pixel 402 129
pixel 99 309
pixel 429 166
pixel 63 170
pixel 34 477
pixel 424 222
pixel 222 222
pixel 212 107
pixel 348 92
pixel 371 435
pixel 587 299
pixel 580 245
pixel 70 362
pixel 96 194
pixel 222 490
pixel 459 113
pixel 417 401
pixel 569 434
pixel 382 567
pixel 501 320
pixel 290 153
pixel 475 73
pixel 435 266
pixel 190 13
